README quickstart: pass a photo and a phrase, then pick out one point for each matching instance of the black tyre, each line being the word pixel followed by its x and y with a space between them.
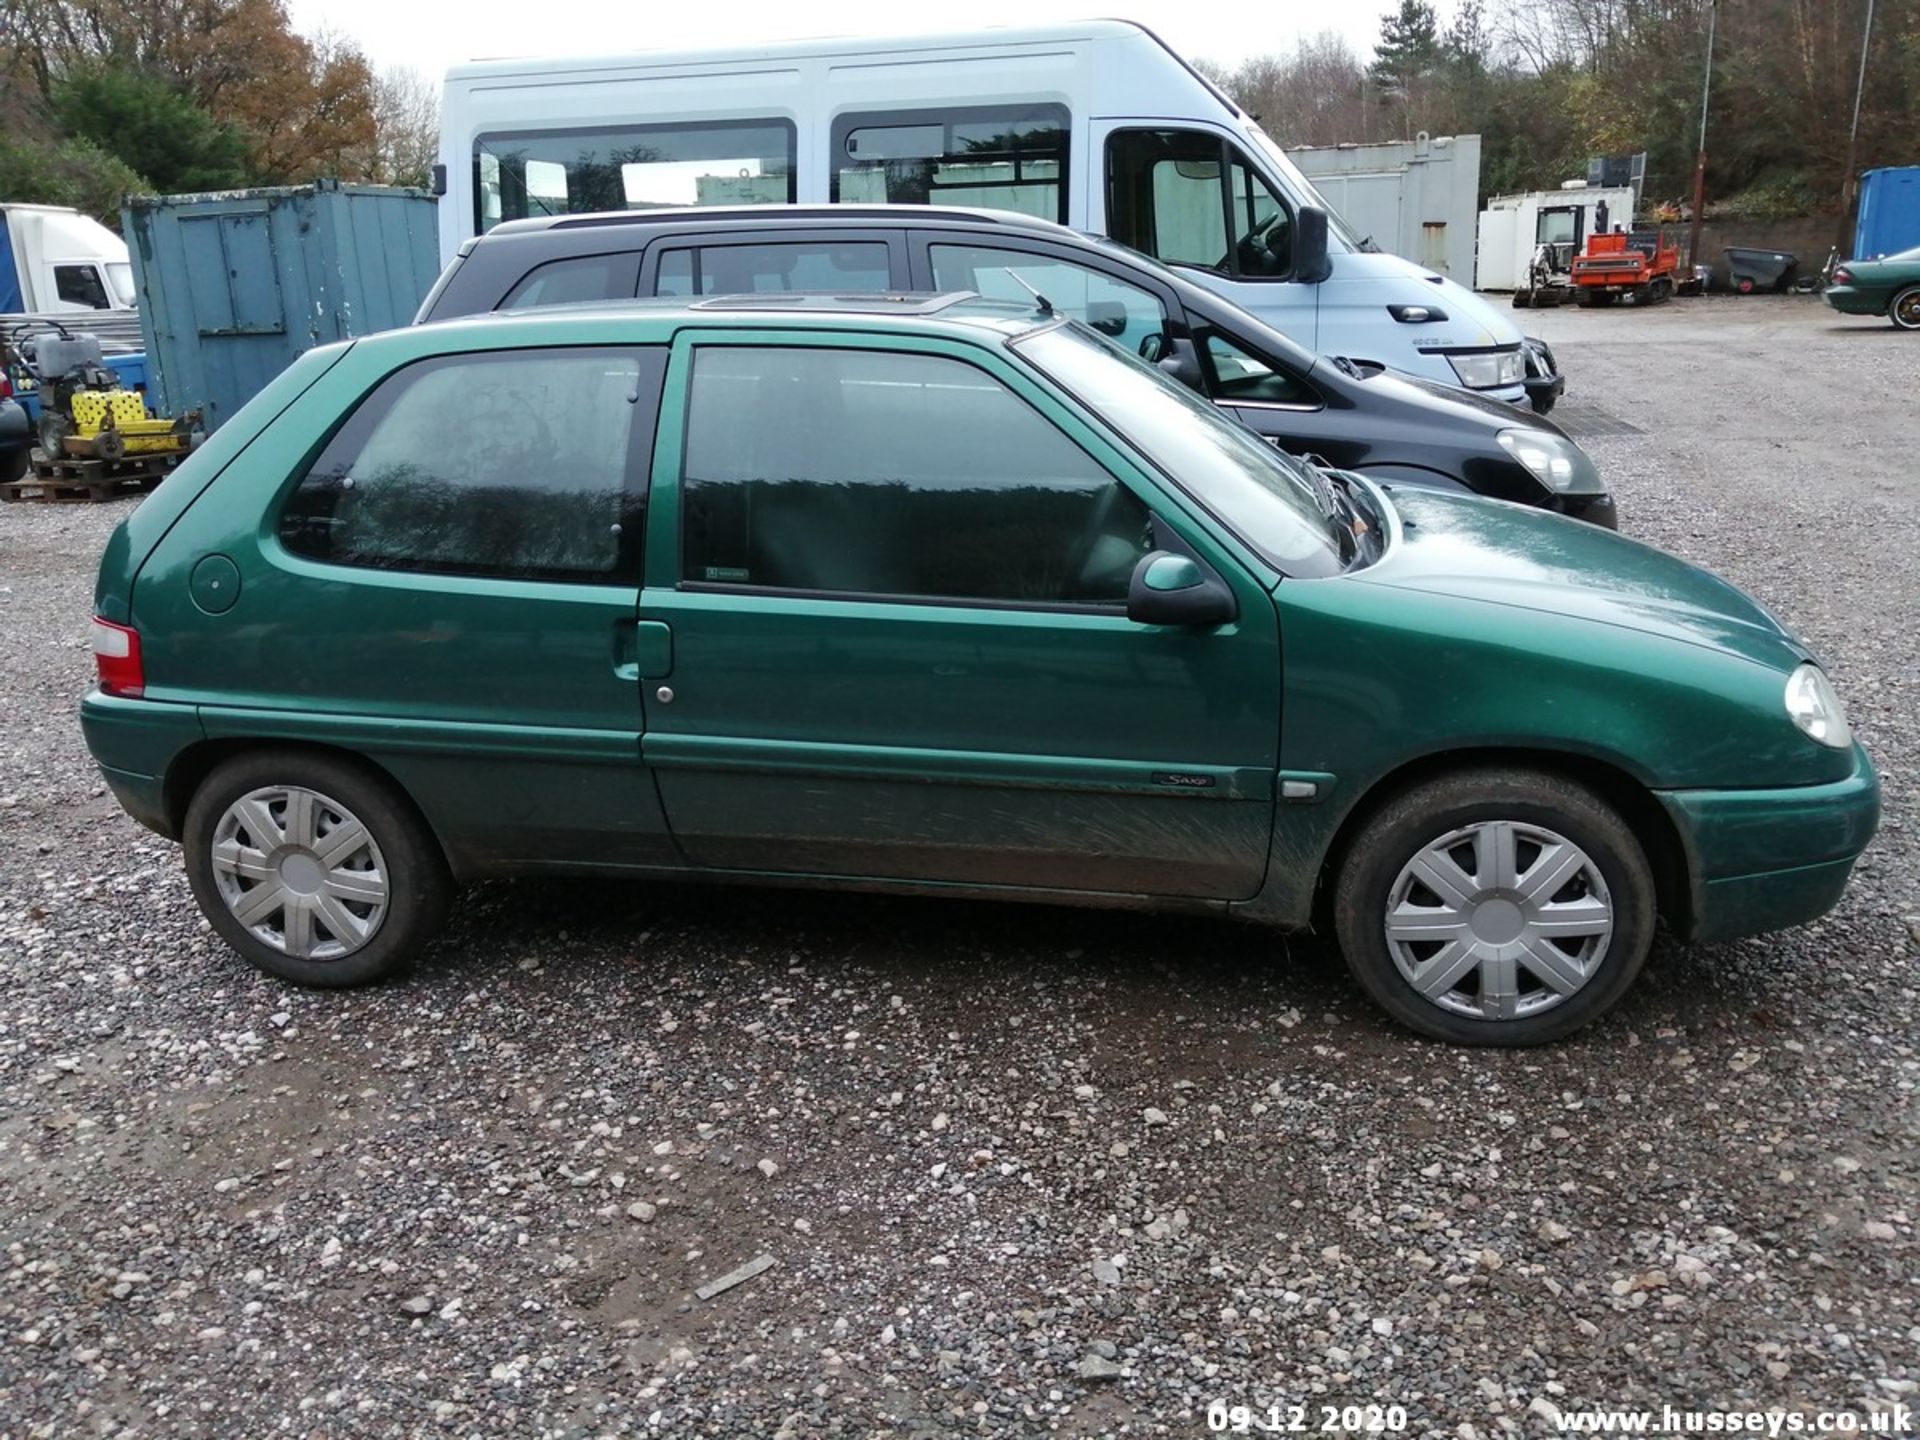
pixel 316 869
pixel 14 464
pixel 1904 310
pixel 1495 907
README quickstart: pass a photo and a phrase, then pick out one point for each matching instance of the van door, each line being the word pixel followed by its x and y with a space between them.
pixel 1191 197
pixel 895 578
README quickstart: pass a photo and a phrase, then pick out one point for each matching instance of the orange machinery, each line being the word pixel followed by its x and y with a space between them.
pixel 1643 264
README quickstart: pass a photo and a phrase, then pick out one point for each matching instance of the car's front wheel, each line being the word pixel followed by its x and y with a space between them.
pixel 312 867
pixel 1495 907
pixel 1905 309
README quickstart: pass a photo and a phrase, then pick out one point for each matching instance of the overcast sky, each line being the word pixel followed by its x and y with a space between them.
pixel 430 37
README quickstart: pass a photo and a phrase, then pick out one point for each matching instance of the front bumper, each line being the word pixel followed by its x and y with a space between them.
pixel 1544 383
pixel 1594 509
pixel 1762 860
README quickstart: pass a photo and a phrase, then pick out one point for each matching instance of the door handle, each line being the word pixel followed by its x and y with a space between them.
pixel 642 648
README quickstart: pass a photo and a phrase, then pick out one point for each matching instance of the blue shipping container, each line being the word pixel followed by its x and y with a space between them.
pixel 1889 212
pixel 234 285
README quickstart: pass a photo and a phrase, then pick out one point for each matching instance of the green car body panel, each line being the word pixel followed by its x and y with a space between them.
pixel 1872 285
pixel 650 726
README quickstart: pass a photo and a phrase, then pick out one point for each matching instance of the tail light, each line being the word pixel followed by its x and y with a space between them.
pixel 116 656
pixel 1843 276
pixel 6 386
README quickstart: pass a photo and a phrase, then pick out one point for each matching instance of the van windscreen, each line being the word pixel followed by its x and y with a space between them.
pixel 633 167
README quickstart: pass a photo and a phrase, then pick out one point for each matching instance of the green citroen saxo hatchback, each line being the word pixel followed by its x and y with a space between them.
pixel 936 595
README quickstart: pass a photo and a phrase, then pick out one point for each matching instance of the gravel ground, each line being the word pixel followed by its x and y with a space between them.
pixel 1019 1170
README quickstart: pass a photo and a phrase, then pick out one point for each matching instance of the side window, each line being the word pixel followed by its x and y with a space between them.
pixel 527 464
pixel 1003 157
pixel 80 285
pixel 1126 313
pixel 1191 198
pixel 634 167
pixel 571 282
pixel 880 473
pixel 837 267
pixel 1244 377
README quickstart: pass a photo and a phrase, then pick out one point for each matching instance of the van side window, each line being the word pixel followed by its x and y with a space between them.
pixel 634 167
pixel 573 282
pixel 837 266
pixel 526 464
pixel 1123 312
pixel 1003 157
pixel 1189 197
pixel 878 473
pixel 80 285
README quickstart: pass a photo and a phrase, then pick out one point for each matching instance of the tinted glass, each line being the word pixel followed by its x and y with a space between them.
pixel 1004 157
pixel 1241 375
pixel 572 282
pixel 80 285
pixel 1263 495
pixel 835 266
pixel 870 472
pixel 635 167
pixel 1123 312
pixel 526 464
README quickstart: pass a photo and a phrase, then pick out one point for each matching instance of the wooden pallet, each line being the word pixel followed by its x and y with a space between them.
pixel 71 481
pixel 85 469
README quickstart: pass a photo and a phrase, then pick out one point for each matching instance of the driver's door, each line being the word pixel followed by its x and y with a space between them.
pixel 1191 197
pixel 895 573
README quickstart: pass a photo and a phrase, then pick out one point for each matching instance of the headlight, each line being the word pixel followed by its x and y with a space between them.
pixel 1814 707
pixel 1489 370
pixel 1555 461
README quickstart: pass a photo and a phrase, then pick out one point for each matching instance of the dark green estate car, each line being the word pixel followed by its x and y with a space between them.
pixel 1888 286
pixel 937 595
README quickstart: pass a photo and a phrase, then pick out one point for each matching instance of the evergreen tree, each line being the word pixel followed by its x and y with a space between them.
pixel 1408 49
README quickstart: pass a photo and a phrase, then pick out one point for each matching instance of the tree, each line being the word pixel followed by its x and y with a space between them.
pixel 406 128
pixel 152 127
pixel 1404 59
pixel 70 172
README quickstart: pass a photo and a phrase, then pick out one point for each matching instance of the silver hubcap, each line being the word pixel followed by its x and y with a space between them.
pixel 1499 920
pixel 301 872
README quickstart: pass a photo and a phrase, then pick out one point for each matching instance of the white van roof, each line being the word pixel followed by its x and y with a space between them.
pixel 986 37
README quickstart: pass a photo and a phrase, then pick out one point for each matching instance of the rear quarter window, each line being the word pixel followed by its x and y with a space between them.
pixel 523 464
pixel 574 281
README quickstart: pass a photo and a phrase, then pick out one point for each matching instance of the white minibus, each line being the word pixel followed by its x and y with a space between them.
pixel 1096 125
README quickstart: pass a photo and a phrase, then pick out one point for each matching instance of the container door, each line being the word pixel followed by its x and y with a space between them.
pixel 895 582
pixel 1192 198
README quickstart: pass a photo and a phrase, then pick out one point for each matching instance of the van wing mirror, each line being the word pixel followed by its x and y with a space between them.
pixel 1180 360
pixel 1310 262
pixel 1172 589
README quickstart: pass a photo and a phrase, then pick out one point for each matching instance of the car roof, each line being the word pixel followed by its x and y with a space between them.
pixel 654 321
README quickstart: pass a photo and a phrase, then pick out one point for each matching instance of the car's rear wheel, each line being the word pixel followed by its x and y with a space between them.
pixel 1905 309
pixel 315 869
pixel 1495 907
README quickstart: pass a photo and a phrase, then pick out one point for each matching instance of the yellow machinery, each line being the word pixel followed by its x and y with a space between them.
pixel 114 424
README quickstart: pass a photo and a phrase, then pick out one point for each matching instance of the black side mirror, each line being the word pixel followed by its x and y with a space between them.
pixel 1180 360
pixel 1171 589
pixel 1310 263
pixel 1109 317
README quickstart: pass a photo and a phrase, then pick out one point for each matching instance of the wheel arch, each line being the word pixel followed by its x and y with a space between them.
pixel 189 770
pixel 1652 826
